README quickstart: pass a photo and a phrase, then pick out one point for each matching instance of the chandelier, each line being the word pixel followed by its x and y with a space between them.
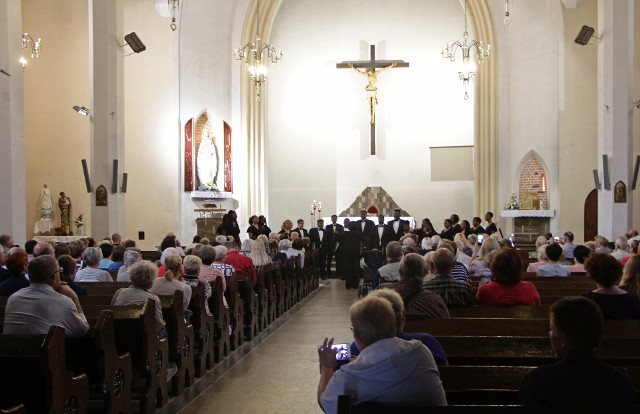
pixel 467 72
pixel 34 45
pixel 255 55
pixel 173 6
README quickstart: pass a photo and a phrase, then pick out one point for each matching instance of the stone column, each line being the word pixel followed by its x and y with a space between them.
pixel 107 112
pixel 12 168
pixel 615 127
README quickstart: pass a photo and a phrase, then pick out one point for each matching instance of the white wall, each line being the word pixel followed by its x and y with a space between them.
pixel 318 136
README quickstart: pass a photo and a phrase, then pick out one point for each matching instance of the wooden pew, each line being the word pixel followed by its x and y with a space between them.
pixel 203 331
pixel 629 328
pixel 109 374
pixel 345 406
pixel 102 288
pixel 495 384
pixel 279 288
pixel 236 310
pixel 34 373
pixel 244 287
pixel 181 339
pixel 262 297
pixel 534 351
pixel 269 276
pixel 496 311
pixel 222 317
pixel 135 333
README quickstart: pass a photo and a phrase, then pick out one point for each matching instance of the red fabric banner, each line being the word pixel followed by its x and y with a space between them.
pixel 228 182
pixel 188 156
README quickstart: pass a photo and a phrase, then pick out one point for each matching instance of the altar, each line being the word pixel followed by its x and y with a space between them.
pixel 529 224
pixel 208 221
pixel 44 226
pixel 58 239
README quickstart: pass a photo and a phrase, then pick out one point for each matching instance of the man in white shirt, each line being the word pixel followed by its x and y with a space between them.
pixel 46 302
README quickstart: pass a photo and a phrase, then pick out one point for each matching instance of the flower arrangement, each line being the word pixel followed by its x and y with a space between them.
pixel 59 231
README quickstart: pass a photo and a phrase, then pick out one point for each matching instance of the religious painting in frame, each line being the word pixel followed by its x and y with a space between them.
pixel 101 196
pixel 188 156
pixel 228 182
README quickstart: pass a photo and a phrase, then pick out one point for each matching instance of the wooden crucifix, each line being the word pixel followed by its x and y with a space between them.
pixel 370 68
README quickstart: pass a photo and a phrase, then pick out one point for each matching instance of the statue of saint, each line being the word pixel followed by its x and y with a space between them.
pixel 45 204
pixel 64 203
pixel 371 88
pixel 207 161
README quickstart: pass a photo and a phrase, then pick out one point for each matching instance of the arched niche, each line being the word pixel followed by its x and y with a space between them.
pixel 533 179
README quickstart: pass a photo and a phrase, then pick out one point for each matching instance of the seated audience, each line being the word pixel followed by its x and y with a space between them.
pixel 390 272
pixel 218 263
pixel 143 274
pixel 107 252
pixel 631 276
pixel 130 258
pixel 240 262
pixel 579 379
pixel 477 266
pixel 602 245
pixel 459 271
pixel 68 275
pixel 91 273
pixel 192 265
pixel 439 355
pixel 76 248
pixel 118 258
pixel 552 267
pixel 42 249
pixel 6 242
pixel 614 302
pixel 568 246
pixel 297 250
pixel 209 272
pixel 16 264
pixel 284 245
pixel 507 286
pixel 60 249
pixel 46 302
pixel 580 254
pixel 633 250
pixel 172 280
pixel 453 292
pixel 417 301
pixel 259 254
pixel 621 249
pixel 542 259
pixel 28 247
pixel 408 368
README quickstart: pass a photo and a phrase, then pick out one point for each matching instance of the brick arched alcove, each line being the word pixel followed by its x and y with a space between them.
pixel 533 193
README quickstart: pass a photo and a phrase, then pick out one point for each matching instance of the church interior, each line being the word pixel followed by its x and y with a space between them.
pixel 538 98
pixel 158 116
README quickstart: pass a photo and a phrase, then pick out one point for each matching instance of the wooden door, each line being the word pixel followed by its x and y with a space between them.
pixel 591 215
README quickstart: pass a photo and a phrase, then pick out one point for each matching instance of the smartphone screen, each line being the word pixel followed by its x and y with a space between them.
pixel 343 353
pixel 480 238
pixel 557 239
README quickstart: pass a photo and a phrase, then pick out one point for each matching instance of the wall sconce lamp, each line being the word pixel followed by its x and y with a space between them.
pixel 81 110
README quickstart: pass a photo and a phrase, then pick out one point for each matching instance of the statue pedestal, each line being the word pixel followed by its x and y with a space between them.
pixel 43 226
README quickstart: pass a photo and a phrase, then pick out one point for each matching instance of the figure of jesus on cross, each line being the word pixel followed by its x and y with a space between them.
pixel 371 68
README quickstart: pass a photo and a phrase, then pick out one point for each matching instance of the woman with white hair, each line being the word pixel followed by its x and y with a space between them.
pixel 143 274
pixel 91 273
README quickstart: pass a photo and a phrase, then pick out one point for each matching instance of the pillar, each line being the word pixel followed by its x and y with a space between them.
pixel 615 127
pixel 107 112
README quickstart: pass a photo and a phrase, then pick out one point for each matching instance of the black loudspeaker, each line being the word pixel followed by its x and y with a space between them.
pixel 635 173
pixel 596 180
pixel 141 235
pixel 584 35
pixel 114 179
pixel 605 172
pixel 123 188
pixel 87 179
